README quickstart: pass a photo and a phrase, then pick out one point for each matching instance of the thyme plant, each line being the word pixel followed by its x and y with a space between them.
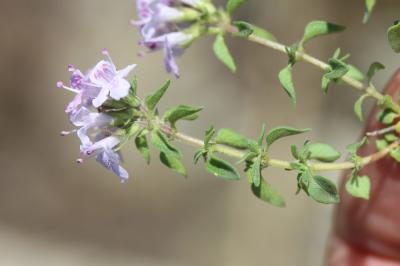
pixel 108 110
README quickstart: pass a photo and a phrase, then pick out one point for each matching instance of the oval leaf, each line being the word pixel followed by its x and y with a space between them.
pixel 374 67
pixel 180 112
pixel 322 152
pixel 359 187
pixel 161 142
pixel 232 5
pixel 223 54
pixel 394 37
pixel 286 79
pixel 369 6
pixel 231 138
pixel 221 168
pixel 281 132
pixel 173 163
pixel 268 194
pixel 323 190
pixel 152 100
pixel 320 28
pixel 358 107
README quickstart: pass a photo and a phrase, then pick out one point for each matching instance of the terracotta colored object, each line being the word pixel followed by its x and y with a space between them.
pixel 368 232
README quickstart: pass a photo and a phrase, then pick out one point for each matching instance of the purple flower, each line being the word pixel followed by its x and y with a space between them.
pixel 100 83
pixel 96 129
pixel 168 25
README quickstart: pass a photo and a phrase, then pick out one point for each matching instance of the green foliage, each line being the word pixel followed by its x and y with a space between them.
pixel 181 112
pixel 355 73
pixel 173 163
pixel 395 154
pixel 143 146
pixel 374 67
pixel 281 132
pixel 232 5
pixel 359 187
pixel 387 117
pixel 208 136
pixel 369 6
pixel 255 169
pixel 316 29
pixel 358 106
pixel 323 190
pixel 222 168
pixel 381 144
pixel 322 152
pixel 337 69
pixel 161 142
pixel 151 101
pixel 394 37
pixel 353 148
pixel 268 194
pixel 319 188
pixel 286 79
pixel 222 53
pixel 231 138
pixel 246 29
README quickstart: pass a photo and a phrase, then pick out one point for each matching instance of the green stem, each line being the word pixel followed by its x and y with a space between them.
pixel 370 90
pixel 317 167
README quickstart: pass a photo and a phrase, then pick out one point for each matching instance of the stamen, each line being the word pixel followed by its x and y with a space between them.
pixel 71 68
pixel 66 133
pixel 105 52
pixel 61 85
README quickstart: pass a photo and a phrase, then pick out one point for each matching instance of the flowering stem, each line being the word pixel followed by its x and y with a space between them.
pixel 368 89
pixel 317 167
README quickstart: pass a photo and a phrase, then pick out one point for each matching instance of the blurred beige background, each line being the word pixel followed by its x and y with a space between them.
pixel 54 212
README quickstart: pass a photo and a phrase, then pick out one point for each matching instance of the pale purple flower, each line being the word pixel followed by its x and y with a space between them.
pixel 98 139
pixel 102 82
pixel 165 24
pixel 96 129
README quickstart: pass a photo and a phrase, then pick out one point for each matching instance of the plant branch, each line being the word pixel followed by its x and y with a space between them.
pixel 318 167
pixel 370 90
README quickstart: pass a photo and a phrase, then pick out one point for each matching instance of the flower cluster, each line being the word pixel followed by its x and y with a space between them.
pixel 173 25
pixel 98 131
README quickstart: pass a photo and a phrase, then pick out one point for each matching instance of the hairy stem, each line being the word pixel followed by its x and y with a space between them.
pixel 318 167
pixel 368 89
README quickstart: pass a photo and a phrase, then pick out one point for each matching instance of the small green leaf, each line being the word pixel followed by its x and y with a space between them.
pixel 223 54
pixel 323 190
pixel 358 106
pixel 369 6
pixel 374 67
pixel 231 138
pixel 353 148
pixel 181 112
pixel 285 77
pixel 355 73
pixel 198 155
pixel 389 118
pixel 325 84
pixel 322 152
pixel 232 5
pixel 173 163
pixel 246 29
pixel 161 142
pixel 395 154
pixel 262 135
pixel 268 194
pixel 256 171
pixel 222 168
pixel 359 187
pixel 281 132
pixel 381 144
pixel 394 37
pixel 208 136
pixel 143 147
pixel 390 137
pixel 295 151
pixel 339 69
pixel 319 28
pixel 152 100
